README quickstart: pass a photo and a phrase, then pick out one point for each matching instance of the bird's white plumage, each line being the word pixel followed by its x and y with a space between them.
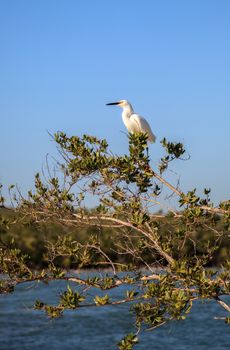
pixel 134 122
pixel 140 124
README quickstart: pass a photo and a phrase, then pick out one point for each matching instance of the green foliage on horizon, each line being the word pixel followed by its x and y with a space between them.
pixel 34 240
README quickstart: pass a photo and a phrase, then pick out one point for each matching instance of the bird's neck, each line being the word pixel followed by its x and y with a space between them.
pixel 127 111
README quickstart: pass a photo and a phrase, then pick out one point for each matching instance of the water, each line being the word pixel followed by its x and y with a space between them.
pixel 101 328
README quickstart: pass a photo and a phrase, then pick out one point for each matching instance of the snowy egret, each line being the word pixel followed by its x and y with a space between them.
pixel 134 122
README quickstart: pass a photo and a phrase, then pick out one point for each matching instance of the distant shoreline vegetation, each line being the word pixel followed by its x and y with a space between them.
pixel 34 240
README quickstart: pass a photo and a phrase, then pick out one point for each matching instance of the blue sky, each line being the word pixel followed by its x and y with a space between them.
pixel 61 61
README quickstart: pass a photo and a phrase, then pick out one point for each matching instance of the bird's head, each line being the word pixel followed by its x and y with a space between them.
pixel 121 103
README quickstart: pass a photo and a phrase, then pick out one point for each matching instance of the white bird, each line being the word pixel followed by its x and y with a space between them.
pixel 134 122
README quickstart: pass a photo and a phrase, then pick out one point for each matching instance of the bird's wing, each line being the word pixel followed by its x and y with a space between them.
pixel 135 120
pixel 143 126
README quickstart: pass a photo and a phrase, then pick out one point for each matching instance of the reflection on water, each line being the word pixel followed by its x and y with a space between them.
pixel 21 327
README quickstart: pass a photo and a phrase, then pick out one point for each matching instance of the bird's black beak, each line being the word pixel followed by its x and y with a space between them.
pixel 112 103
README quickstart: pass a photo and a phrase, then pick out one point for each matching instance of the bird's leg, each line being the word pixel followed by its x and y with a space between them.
pixel 147 151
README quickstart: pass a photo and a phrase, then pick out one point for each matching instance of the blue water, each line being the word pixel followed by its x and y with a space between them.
pixel 101 328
